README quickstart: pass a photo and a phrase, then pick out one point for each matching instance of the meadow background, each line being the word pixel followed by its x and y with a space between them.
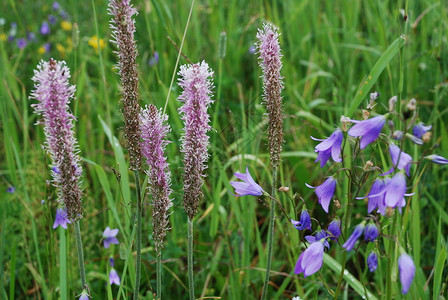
pixel 329 48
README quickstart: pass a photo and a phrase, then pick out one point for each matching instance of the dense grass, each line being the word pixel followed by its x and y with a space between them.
pixel 329 50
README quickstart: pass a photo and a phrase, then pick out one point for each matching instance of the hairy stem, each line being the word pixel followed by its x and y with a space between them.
pixel 159 274
pixel 138 242
pixel 270 234
pixel 82 270
pixel 190 259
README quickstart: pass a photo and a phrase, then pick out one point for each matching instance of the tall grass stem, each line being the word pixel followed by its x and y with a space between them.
pixel 82 270
pixel 190 259
pixel 270 235
pixel 138 242
pixel 159 274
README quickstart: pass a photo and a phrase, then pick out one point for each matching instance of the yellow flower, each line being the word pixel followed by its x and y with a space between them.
pixel 61 49
pixel 41 50
pixel 66 26
pixel 93 42
pixel 3 37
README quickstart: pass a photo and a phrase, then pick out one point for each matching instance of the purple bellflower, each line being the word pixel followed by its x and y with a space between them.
pixel 113 277
pixel 154 59
pixel 304 223
pixel 334 228
pixel 55 5
pixel 21 43
pixel 11 189
pixel 351 241
pixel 44 28
pixel 403 163
pixel 368 130
pixel 196 83
pixel 420 129
pixel 370 232
pixel 310 261
pixel 84 295
pixel 406 268
pixel 395 191
pixel 247 187
pixel 372 261
pixel 61 219
pixel 376 197
pixel 329 147
pixel 325 192
pixel 109 237
pixel 437 159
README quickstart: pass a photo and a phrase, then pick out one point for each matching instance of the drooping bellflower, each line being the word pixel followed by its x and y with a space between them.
pixel 351 241
pixel 420 129
pixel 400 159
pixel 368 130
pixel 61 219
pixel 109 237
pixel 123 26
pixel 113 277
pixel 372 261
pixel 376 197
pixel 329 147
pixel 395 190
pixel 53 92
pixel 154 130
pixel 310 261
pixel 304 223
pixel 334 228
pixel 325 192
pixel 195 81
pixel 270 61
pixel 248 186
pixel 406 268
pixel 370 232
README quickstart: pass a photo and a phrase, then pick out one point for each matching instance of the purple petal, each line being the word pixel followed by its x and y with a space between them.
pixel 406 268
pixel 395 190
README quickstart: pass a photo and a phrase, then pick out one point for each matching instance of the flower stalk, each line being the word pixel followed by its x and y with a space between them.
pixel 270 62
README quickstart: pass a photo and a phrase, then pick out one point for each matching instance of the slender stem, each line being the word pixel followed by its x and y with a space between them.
pixel 190 259
pixel 270 235
pixel 159 274
pixel 82 270
pixel 62 263
pixel 390 258
pixel 138 242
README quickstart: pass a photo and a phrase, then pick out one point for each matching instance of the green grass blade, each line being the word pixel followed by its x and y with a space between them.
pixel 377 69
pixel 351 280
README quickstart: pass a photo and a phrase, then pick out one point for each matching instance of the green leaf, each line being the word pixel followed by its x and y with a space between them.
pixel 377 69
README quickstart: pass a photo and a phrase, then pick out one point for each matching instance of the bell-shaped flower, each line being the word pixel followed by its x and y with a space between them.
pixel 325 192
pixel 310 261
pixel 376 197
pixel 329 147
pixel 247 187
pixel 400 159
pixel 368 130
pixel 334 228
pixel 113 277
pixel 84 295
pixel 351 241
pixel 109 237
pixel 437 159
pixel 395 191
pixel 372 261
pixel 61 219
pixel 370 232
pixel 304 223
pixel 420 129
pixel 406 268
